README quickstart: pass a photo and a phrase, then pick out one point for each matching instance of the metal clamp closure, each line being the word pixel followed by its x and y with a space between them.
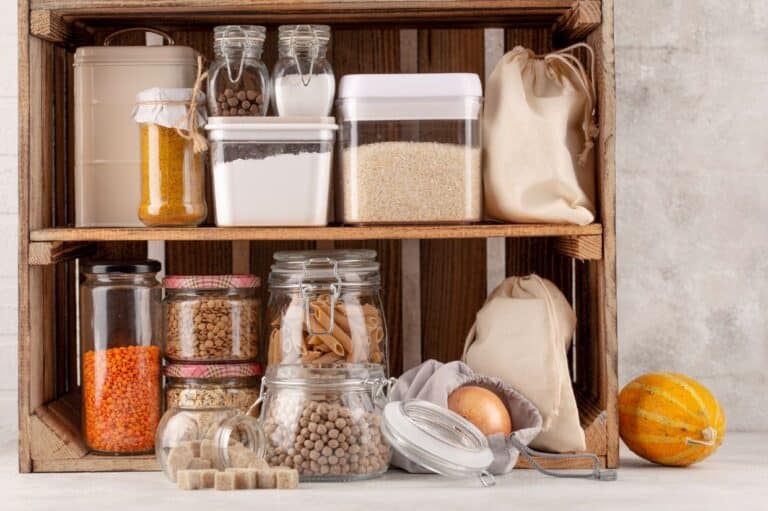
pixel 309 293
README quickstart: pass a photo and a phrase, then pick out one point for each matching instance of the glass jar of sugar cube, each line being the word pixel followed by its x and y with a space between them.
pixel 303 80
pixel 208 438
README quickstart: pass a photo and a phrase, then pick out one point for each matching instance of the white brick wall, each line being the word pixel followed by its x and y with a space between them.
pixel 8 215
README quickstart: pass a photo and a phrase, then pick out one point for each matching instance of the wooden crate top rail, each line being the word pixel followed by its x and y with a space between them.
pixel 61 21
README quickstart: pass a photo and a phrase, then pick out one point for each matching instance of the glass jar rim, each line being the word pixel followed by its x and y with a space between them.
pixel 322 264
pixel 212 282
pixel 326 377
pixel 127 266
pixel 304 33
pixel 223 381
pixel 239 33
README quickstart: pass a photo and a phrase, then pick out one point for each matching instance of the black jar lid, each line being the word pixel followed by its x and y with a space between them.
pixel 132 266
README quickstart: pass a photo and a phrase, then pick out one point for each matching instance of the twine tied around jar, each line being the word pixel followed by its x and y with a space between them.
pixel 193 130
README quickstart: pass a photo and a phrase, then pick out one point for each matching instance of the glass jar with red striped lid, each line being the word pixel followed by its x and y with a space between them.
pixel 211 318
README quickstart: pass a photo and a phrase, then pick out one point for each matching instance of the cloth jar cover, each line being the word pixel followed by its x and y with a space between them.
pixel 434 381
pixel 521 335
pixel 538 131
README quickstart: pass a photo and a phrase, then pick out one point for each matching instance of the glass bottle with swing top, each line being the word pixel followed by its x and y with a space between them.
pixel 238 81
pixel 303 80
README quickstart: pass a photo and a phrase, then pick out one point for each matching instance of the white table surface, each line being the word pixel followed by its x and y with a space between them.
pixel 735 478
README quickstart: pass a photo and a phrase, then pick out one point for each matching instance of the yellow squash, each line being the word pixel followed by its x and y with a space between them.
pixel 670 419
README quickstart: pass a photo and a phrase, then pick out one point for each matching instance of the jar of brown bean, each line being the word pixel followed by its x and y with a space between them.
pixel 214 318
pixel 325 422
pixel 238 81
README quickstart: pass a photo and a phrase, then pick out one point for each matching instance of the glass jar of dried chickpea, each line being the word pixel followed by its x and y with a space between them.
pixel 325 309
pixel 326 421
pixel 211 318
pixel 120 328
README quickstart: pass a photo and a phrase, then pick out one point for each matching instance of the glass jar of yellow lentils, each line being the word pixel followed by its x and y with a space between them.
pixel 172 173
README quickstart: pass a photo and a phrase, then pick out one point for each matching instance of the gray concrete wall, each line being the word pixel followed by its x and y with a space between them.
pixel 692 78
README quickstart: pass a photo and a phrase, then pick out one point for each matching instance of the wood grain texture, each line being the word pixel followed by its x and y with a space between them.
pixel 580 247
pixel 452 271
pixel 287 11
pixel 198 258
pixel 602 41
pixel 95 463
pixel 54 438
pixel 49 26
pixel 42 253
pixel 124 234
pixel 579 21
pixel 25 342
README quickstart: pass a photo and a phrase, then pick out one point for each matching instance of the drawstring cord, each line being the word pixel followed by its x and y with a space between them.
pixel 586 82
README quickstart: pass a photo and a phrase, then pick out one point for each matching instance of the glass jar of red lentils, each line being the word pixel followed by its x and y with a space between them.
pixel 120 329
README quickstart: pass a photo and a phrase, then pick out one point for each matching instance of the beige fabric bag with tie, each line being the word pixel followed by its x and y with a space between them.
pixel 538 138
pixel 521 335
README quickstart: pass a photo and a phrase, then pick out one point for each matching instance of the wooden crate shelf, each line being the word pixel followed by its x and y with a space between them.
pixel 437 274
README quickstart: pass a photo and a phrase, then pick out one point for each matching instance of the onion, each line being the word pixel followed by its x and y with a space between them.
pixel 482 408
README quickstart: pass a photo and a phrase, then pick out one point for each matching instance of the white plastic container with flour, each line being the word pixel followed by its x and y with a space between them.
pixel 271 171
pixel 107 156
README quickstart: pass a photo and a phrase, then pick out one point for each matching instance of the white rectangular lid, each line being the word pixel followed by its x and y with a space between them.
pixel 410 85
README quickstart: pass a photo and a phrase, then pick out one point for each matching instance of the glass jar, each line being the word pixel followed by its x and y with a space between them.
pixel 195 386
pixel 211 318
pixel 326 422
pixel 303 80
pixel 120 330
pixel 238 81
pixel 172 173
pixel 324 308
pixel 207 438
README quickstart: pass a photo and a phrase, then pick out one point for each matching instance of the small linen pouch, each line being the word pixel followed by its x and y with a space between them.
pixel 538 132
pixel 521 335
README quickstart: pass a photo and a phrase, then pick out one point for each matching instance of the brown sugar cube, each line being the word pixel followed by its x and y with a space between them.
pixel 224 481
pixel 286 478
pixel 245 478
pixel 194 446
pixel 258 464
pixel 179 458
pixel 189 479
pixel 240 458
pixel 208 477
pixel 207 450
pixel 266 478
pixel 200 463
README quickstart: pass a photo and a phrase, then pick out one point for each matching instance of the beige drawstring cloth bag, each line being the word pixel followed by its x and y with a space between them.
pixel 521 335
pixel 538 138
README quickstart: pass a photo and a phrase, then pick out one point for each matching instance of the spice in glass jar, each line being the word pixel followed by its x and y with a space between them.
pixel 172 172
pixel 198 386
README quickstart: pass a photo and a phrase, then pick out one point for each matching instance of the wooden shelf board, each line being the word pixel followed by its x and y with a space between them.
pixel 343 11
pixel 314 233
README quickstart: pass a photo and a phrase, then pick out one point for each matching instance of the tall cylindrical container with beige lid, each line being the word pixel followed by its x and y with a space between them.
pixel 107 151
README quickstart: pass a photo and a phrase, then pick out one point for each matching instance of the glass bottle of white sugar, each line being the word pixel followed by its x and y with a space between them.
pixel 303 83
pixel 271 171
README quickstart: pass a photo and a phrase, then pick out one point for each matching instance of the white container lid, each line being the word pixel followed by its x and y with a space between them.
pixel 411 85
pixel 410 97
pixel 273 129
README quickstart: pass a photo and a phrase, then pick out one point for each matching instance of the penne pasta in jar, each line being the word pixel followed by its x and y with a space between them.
pixel 325 309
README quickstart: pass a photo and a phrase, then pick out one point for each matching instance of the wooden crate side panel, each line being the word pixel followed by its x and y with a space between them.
pixel 602 41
